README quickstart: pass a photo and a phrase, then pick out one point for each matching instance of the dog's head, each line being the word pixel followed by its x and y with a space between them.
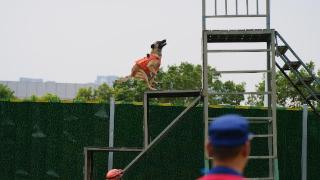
pixel 158 45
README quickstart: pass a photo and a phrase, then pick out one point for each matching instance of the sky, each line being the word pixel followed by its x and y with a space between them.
pixel 73 41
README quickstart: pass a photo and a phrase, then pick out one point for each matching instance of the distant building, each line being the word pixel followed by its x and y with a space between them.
pixel 24 79
pixel 106 79
pixel 23 89
pixel 27 87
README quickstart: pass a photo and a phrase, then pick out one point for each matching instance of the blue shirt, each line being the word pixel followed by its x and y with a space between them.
pixel 224 170
pixel 222 173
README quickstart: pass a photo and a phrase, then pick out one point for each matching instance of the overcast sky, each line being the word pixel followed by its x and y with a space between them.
pixel 76 40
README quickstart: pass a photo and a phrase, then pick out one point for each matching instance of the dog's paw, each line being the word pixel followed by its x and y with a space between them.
pixel 152 88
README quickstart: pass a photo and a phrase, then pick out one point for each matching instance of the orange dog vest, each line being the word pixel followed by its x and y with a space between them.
pixel 143 63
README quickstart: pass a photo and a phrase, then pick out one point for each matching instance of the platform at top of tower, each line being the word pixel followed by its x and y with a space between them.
pixel 247 35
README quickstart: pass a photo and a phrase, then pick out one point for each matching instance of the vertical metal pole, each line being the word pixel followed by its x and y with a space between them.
pixel 266 77
pixel 257 7
pixel 268 104
pixel 274 101
pixel 205 89
pixel 85 168
pixel 215 7
pixel 226 6
pixel 87 164
pixel 236 7
pixel 304 143
pixel 145 119
pixel 205 75
pixel 203 14
pixel 111 132
pixel 268 13
pixel 247 5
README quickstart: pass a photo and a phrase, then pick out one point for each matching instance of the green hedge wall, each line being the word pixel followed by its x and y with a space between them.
pixel 46 140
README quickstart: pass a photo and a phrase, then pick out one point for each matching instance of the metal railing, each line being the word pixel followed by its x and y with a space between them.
pixel 236 9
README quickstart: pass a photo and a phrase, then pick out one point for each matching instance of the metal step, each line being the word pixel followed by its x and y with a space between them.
pixel 236 50
pixel 294 64
pixel 282 49
pixel 112 149
pixel 261 157
pixel 172 93
pixel 311 97
pixel 262 135
pixel 253 157
pixel 243 71
pixel 306 80
pixel 237 93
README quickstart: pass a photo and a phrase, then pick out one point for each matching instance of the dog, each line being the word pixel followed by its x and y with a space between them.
pixel 147 68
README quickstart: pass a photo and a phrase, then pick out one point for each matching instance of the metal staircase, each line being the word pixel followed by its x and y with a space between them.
pixel 304 83
pixel 237 36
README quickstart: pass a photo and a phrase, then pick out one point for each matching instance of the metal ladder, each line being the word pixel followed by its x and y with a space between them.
pixel 304 83
pixel 243 36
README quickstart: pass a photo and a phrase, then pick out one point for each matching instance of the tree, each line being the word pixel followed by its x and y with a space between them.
pixel 226 87
pixel 257 100
pixel 179 77
pixel 103 92
pixel 85 94
pixel 50 98
pixel 32 98
pixel 129 91
pixel 6 93
pixel 184 76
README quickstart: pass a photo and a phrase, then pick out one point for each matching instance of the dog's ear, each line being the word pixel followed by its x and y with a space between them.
pixel 152 46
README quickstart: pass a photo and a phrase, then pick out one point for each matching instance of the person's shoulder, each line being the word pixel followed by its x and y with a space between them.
pixel 221 177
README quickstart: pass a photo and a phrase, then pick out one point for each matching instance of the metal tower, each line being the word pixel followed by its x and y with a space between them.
pixel 210 35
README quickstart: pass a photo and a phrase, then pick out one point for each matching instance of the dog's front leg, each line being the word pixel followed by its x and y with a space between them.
pixel 152 77
pixel 142 75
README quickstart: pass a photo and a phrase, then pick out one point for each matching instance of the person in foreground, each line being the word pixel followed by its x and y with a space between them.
pixel 229 146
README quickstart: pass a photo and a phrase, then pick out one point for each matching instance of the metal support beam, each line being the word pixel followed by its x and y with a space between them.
pixel 111 132
pixel 237 16
pixel 173 93
pixel 237 93
pixel 268 14
pixel 242 71
pixel 304 148
pixel 145 120
pixel 163 133
pixel 87 174
pixel 274 105
pixel 205 94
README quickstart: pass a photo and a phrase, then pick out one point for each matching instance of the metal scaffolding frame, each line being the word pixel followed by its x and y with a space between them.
pixel 267 36
pixel 88 151
pixel 163 94
pixel 273 49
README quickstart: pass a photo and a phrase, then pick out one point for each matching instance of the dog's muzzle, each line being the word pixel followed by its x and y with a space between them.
pixel 162 43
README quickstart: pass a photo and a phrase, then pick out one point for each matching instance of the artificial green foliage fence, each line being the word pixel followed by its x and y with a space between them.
pixel 46 140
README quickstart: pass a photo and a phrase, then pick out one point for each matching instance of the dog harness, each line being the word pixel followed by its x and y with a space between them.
pixel 143 63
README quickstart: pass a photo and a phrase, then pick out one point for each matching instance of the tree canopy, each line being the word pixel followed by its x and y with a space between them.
pixel 6 93
pixel 176 77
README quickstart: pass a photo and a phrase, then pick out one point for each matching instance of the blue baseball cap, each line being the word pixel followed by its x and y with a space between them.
pixel 229 131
